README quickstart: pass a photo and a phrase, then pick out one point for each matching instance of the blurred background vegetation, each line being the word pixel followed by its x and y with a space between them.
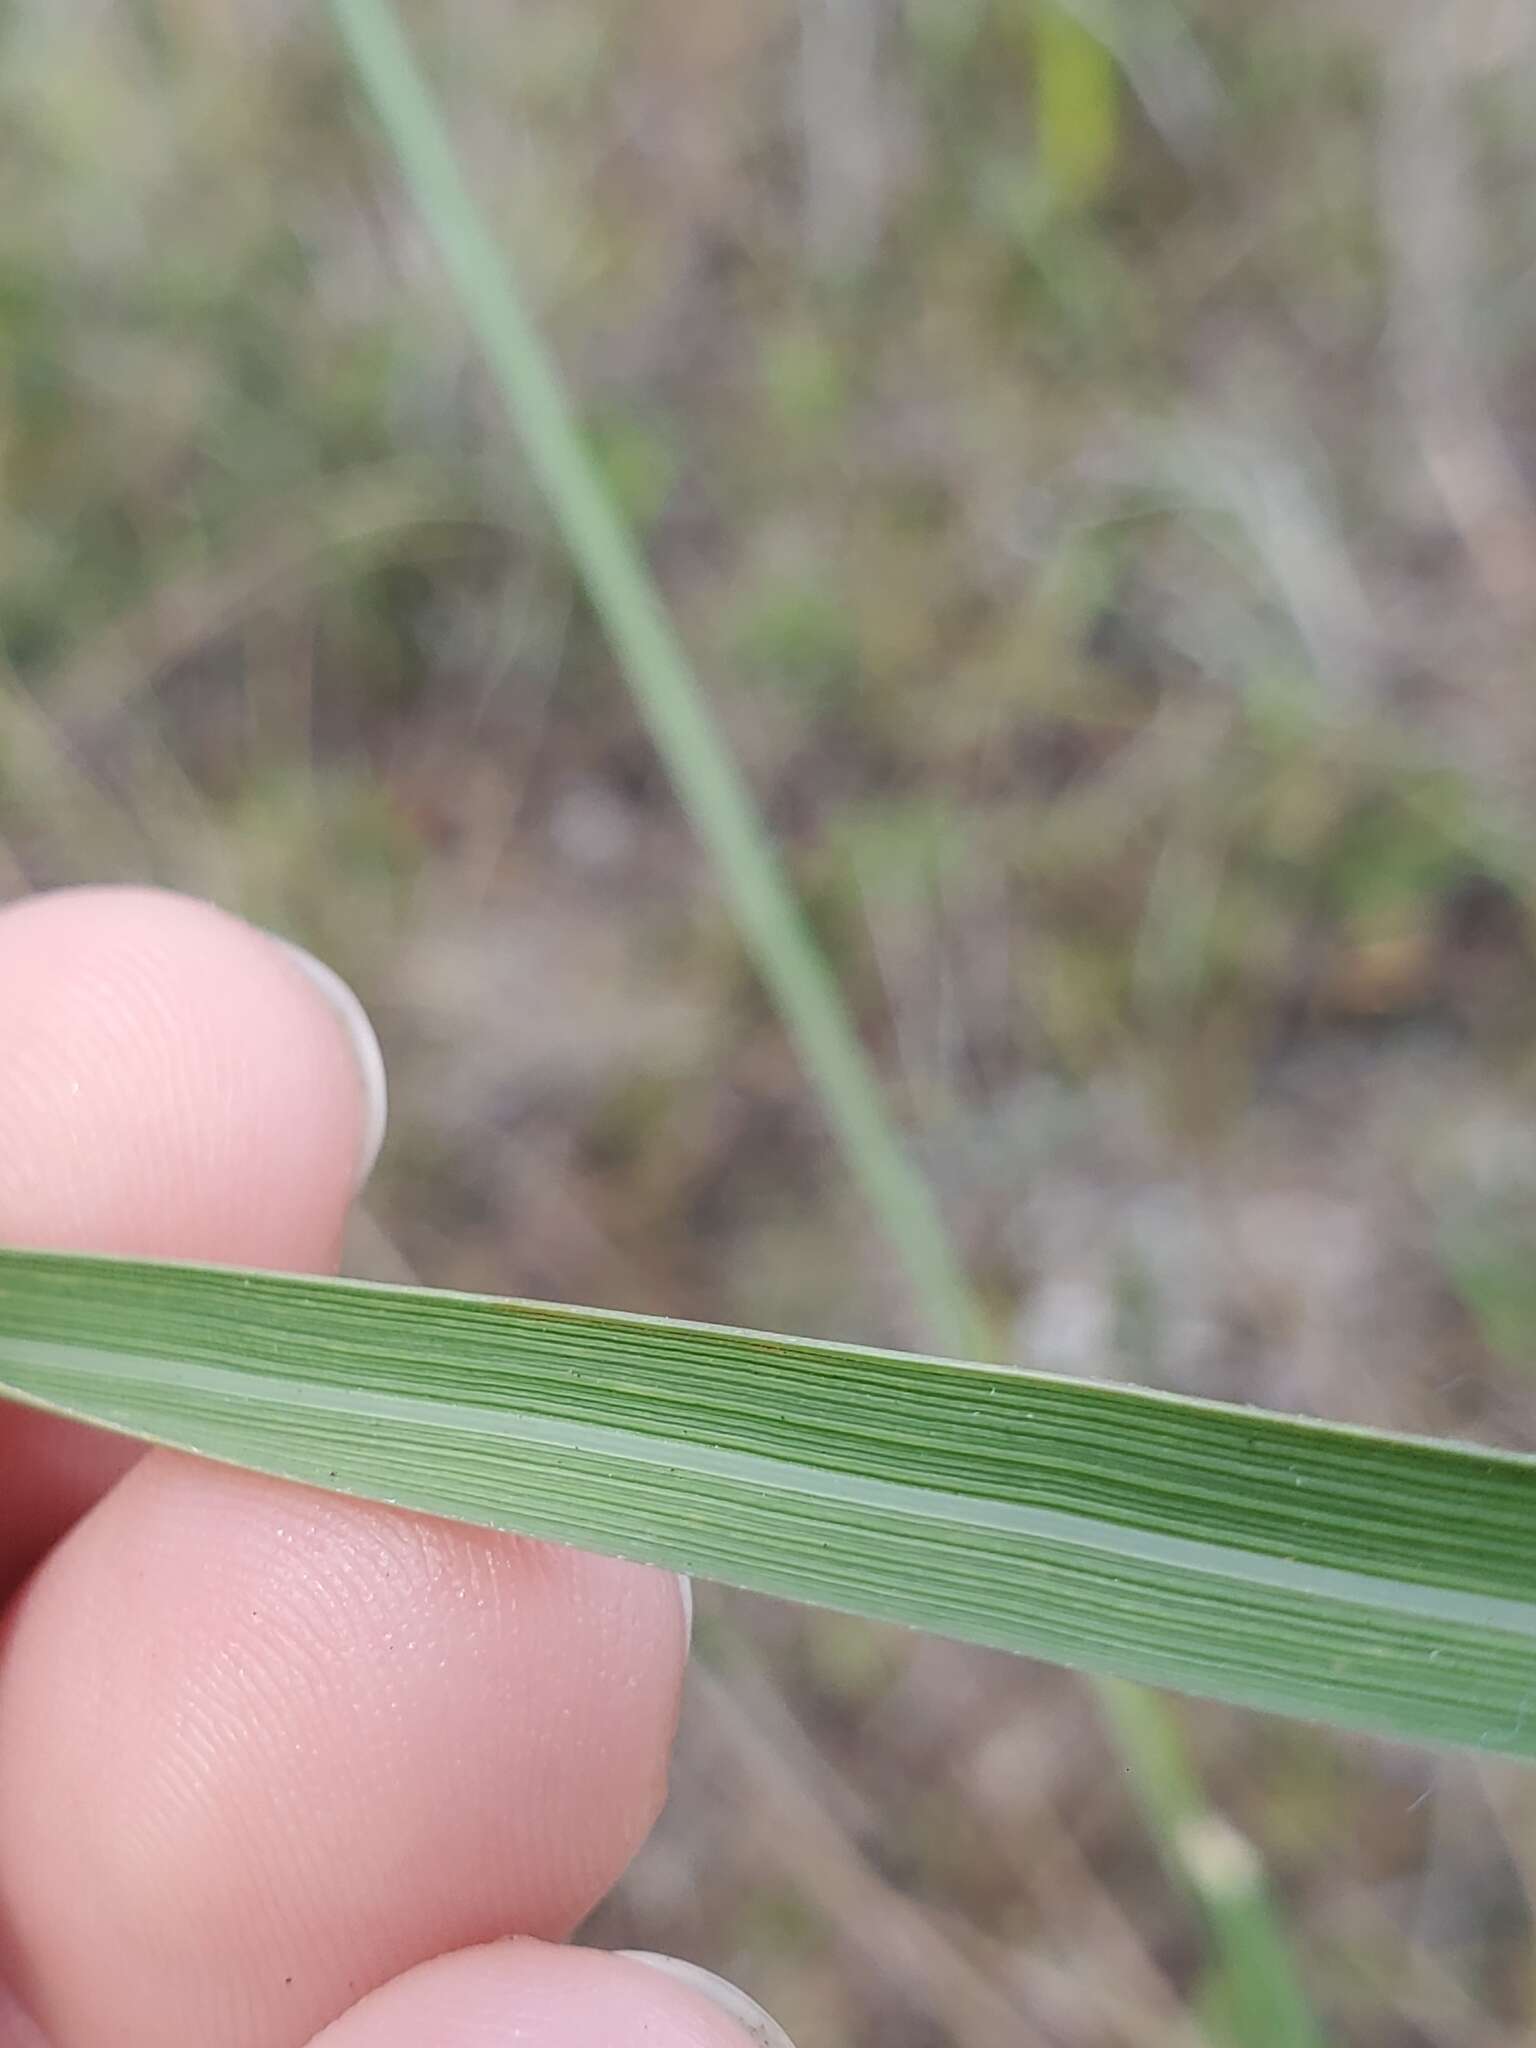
pixel 1091 452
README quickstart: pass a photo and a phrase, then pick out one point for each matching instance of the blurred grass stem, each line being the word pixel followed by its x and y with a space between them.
pixel 661 677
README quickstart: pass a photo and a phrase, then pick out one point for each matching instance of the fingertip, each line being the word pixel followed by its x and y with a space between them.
pixel 172 1085
pixel 537 1996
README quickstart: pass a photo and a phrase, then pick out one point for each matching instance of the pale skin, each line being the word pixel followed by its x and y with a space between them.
pixel 277 1767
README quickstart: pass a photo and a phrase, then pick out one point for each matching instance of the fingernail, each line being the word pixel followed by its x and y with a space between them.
pixel 685 1589
pixel 734 2003
pixel 365 1050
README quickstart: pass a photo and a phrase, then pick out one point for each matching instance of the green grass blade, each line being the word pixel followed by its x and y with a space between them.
pixel 659 673
pixel 1385 1583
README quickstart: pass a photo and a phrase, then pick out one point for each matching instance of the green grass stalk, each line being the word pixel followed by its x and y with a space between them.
pixel 661 678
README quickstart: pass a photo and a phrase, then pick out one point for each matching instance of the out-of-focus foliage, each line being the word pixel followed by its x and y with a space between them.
pixel 1088 448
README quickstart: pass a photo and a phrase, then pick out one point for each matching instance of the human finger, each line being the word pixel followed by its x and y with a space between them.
pixel 527 1994
pixel 261 1748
